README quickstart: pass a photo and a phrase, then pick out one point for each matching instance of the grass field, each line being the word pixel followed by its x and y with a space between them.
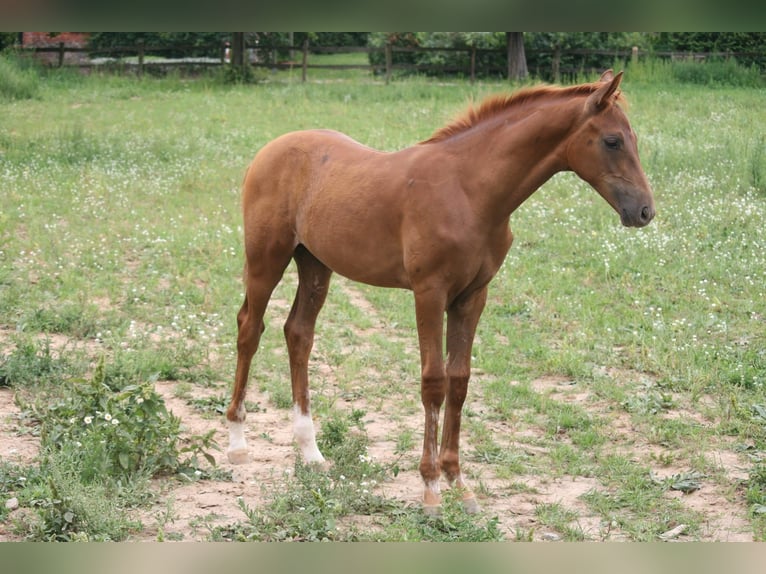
pixel 618 389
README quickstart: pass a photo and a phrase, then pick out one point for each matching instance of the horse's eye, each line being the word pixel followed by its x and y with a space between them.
pixel 612 142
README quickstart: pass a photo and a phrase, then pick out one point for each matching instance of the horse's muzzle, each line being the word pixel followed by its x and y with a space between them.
pixel 638 217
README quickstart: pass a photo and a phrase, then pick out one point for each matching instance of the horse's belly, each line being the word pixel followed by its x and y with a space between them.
pixel 364 250
pixel 358 261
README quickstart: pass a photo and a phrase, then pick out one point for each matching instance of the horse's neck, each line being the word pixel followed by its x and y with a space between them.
pixel 507 160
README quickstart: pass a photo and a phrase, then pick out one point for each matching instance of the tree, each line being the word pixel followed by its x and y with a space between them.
pixel 517 59
pixel 238 49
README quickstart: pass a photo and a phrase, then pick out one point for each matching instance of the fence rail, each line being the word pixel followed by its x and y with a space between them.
pixel 271 56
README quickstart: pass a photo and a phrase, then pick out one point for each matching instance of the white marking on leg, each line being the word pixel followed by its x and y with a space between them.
pixel 433 487
pixel 303 429
pixel 237 436
pixel 237 451
pixel 432 498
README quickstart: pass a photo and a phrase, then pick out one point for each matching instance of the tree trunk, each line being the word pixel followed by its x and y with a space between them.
pixel 238 49
pixel 517 59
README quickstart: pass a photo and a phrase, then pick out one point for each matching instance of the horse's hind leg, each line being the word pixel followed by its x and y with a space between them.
pixel 313 282
pixel 260 280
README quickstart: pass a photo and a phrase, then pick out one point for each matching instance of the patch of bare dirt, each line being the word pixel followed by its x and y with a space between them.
pixel 17 446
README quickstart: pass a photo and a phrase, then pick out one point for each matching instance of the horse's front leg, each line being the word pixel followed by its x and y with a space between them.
pixel 429 311
pixel 462 319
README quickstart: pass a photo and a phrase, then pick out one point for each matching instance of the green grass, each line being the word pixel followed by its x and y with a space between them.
pixel 18 79
pixel 120 231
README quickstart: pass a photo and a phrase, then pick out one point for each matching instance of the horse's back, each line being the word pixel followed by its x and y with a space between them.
pixel 296 159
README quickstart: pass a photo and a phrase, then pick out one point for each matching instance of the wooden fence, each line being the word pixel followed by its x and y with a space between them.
pixel 298 58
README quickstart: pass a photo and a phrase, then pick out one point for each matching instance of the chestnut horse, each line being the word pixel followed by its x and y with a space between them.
pixel 433 218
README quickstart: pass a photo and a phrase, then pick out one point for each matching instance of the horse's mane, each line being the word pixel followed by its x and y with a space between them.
pixel 494 105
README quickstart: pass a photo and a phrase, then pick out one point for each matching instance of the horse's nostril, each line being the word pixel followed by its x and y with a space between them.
pixel 646 213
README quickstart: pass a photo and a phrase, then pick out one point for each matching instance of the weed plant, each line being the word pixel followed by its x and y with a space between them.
pixel 102 439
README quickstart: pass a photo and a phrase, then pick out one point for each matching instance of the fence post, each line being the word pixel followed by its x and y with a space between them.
pixel 305 59
pixel 140 58
pixel 473 64
pixel 62 52
pixel 389 60
pixel 634 55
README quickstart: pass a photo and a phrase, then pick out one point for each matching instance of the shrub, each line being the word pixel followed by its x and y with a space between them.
pixel 717 73
pixel 230 74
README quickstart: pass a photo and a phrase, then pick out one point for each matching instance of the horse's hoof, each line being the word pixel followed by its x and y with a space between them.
pixel 238 456
pixel 432 510
pixel 471 505
pixel 321 466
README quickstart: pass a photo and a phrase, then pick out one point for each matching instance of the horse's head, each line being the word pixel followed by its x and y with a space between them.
pixel 603 152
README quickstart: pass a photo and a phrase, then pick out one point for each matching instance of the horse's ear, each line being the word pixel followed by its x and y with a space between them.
pixel 602 97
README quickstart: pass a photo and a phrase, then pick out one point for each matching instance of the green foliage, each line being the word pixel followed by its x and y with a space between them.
pixel 397 39
pixel 64 507
pixel 196 460
pixel 17 481
pixel 188 44
pixel 334 39
pixel 560 518
pixel 102 438
pixel 717 73
pixel 19 80
pixel 448 60
pixel 540 47
pixel 452 525
pixel 8 39
pixel 756 499
pixel 209 44
pixel 636 503
pixel 705 42
pixel 229 74
pixel 110 432
pixel 75 319
pixel 31 363
pixel 758 164
pixel 73 510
